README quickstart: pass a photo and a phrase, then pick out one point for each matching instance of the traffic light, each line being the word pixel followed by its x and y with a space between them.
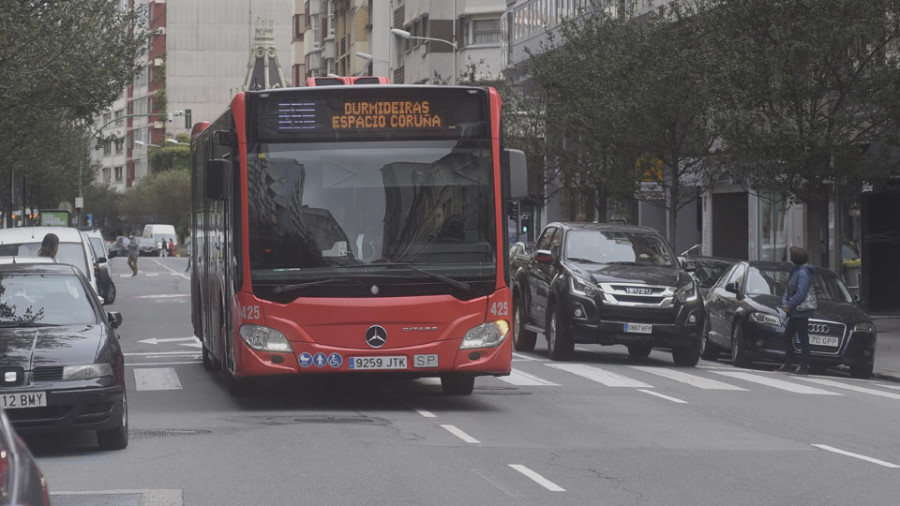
pixel 512 210
pixel 526 224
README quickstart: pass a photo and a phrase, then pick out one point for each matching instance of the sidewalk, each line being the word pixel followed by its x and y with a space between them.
pixel 887 351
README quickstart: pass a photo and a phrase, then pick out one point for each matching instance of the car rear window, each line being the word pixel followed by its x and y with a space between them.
pixel 44 299
pixel 71 253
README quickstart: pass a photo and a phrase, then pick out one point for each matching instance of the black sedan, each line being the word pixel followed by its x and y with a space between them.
pixel 707 270
pixel 21 481
pixel 744 317
pixel 61 365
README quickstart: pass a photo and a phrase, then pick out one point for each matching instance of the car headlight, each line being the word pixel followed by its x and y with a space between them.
pixel 264 338
pixel 868 327
pixel 767 319
pixel 83 372
pixel 687 292
pixel 486 335
pixel 579 286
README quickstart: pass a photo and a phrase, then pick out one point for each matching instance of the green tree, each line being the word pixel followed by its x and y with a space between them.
pixel 809 95
pixel 161 198
pixel 622 90
pixel 60 64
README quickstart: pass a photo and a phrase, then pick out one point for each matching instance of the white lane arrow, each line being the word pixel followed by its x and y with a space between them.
pixel 169 340
pixel 196 344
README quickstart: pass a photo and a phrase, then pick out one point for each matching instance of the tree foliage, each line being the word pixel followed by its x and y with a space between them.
pixel 60 64
pixel 164 197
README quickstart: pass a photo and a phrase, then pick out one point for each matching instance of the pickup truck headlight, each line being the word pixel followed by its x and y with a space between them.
pixel 579 286
pixel 687 292
pixel 486 335
pixel 83 372
pixel 264 338
pixel 867 327
pixel 767 319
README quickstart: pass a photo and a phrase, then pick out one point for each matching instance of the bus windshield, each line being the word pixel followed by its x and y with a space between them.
pixel 353 208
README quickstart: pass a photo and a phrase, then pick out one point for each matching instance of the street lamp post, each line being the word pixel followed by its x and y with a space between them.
pixel 370 59
pixel 403 34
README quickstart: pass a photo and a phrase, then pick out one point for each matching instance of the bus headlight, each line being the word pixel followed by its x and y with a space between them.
pixel 264 338
pixel 83 372
pixel 486 335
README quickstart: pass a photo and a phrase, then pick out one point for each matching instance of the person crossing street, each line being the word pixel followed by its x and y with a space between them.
pixel 133 249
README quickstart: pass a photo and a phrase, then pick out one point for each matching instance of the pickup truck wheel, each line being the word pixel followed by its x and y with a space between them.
pixel 559 344
pixel 739 356
pixel 686 356
pixel 639 351
pixel 523 339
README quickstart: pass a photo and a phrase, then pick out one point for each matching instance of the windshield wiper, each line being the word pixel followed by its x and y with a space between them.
pixel 26 324
pixel 621 262
pixel 455 283
pixel 301 286
pixel 582 260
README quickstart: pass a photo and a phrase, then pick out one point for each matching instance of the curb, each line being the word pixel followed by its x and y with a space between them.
pixel 886 376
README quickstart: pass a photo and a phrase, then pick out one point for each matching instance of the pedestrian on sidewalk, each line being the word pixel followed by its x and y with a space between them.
pixel 133 250
pixel 798 303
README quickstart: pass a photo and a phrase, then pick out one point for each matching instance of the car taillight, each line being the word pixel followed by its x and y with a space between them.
pixel 4 473
pixel 120 371
pixel 96 270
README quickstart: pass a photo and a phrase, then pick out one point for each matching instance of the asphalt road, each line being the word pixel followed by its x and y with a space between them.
pixel 598 429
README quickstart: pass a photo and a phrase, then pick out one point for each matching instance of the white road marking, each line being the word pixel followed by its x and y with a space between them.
pixel 776 383
pixel 666 397
pixel 857 456
pixel 519 356
pixel 892 387
pixel 147 364
pixel 599 375
pixel 155 340
pixel 162 353
pixel 853 388
pixel 425 413
pixel 162 378
pixel 166 296
pixel 689 379
pixel 161 497
pixel 197 344
pixel 171 270
pixel 452 429
pixel 537 478
pixel 520 378
pixel 151 274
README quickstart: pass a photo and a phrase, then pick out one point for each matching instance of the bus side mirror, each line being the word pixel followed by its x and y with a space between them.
pixel 518 174
pixel 217 176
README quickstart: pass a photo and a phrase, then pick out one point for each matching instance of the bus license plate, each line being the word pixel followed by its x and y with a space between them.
pixel 639 328
pixel 378 363
pixel 24 400
pixel 832 342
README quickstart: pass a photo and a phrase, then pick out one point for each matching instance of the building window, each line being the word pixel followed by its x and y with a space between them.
pixel 107 148
pixel 120 145
pixel 106 175
pixel 481 31
pixel 118 174
pixel 118 115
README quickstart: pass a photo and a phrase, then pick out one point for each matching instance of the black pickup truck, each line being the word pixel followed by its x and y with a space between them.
pixel 606 284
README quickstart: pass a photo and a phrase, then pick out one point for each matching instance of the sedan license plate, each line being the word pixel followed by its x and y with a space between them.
pixel 639 328
pixel 832 342
pixel 378 363
pixel 24 400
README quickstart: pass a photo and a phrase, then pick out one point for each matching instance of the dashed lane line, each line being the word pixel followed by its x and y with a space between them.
pixel 537 478
pixel 857 456
pixel 456 431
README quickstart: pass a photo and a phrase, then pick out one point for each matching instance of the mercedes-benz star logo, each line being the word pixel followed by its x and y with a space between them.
pixel 376 336
pixel 817 328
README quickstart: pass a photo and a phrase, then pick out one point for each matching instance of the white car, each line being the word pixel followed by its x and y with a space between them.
pixel 73 247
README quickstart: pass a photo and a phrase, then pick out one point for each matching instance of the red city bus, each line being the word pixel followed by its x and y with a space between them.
pixel 348 229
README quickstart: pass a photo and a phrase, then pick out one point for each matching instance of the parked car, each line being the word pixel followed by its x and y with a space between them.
pixel 707 270
pixel 63 367
pixel 745 319
pixel 606 284
pixel 148 247
pixel 21 481
pixel 102 266
pixel 73 247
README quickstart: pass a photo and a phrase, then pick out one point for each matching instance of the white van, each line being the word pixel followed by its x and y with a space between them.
pixel 161 234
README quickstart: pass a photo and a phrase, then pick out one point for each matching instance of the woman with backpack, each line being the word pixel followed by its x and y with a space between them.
pixel 798 303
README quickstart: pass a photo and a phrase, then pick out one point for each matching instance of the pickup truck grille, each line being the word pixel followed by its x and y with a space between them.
pixel 638 315
pixel 637 295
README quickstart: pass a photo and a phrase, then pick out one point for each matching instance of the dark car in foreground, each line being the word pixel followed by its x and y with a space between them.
pixel 745 319
pixel 21 481
pixel 61 365
pixel 606 284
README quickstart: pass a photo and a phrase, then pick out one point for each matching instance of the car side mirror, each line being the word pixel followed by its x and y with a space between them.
pixel 857 298
pixel 732 287
pixel 115 318
pixel 543 256
pixel 101 260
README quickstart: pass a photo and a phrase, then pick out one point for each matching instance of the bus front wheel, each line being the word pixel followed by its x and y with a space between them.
pixel 457 384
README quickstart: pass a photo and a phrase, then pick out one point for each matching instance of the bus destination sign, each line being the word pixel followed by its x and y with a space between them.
pixel 319 115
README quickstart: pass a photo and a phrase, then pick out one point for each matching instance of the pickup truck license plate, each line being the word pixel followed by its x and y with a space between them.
pixel 24 400
pixel 832 342
pixel 639 328
pixel 378 363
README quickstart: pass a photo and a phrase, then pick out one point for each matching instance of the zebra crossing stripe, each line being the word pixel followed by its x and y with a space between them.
pixel 519 378
pixel 156 378
pixel 776 383
pixel 852 388
pixel 601 376
pixel 689 379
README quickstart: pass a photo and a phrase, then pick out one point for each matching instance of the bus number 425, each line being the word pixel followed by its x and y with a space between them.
pixel 500 308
